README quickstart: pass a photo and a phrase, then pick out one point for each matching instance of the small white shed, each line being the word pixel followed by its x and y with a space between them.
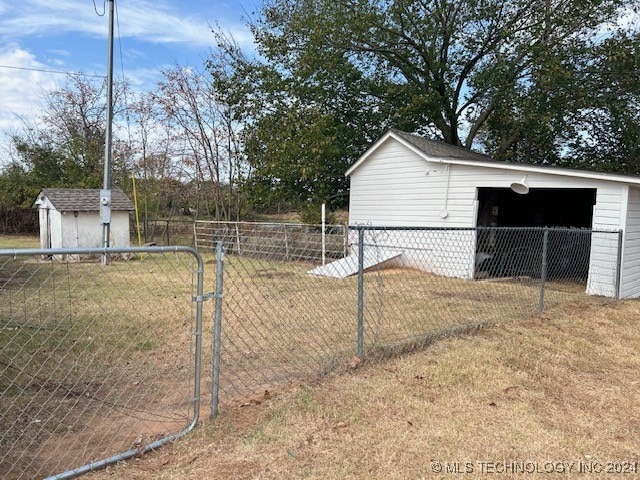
pixel 404 180
pixel 70 218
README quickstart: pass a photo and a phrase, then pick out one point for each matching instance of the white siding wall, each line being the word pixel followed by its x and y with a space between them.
pixel 396 187
pixel 630 278
pixel 120 233
pixel 44 228
pixel 85 230
pixel 55 222
pixel 444 252
pixel 608 214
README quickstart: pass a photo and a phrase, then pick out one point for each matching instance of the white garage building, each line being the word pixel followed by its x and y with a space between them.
pixel 70 218
pixel 404 180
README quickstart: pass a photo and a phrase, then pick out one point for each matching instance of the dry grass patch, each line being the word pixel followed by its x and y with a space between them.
pixel 19 241
pixel 91 358
pixel 551 390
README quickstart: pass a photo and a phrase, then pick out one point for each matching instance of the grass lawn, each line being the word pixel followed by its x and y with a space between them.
pixel 19 241
pixel 562 387
pixel 542 393
pixel 91 357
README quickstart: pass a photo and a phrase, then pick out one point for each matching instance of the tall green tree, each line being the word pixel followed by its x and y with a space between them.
pixel 607 133
pixel 301 129
pixel 16 187
pixel 504 76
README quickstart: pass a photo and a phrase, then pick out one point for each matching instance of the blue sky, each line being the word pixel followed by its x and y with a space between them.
pixel 68 35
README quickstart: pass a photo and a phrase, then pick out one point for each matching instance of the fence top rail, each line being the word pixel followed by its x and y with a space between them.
pixel 278 224
pixel 98 251
pixel 475 229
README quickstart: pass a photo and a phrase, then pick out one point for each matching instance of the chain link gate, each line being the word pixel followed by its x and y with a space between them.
pixel 98 363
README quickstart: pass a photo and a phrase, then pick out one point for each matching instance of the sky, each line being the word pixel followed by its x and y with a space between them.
pixel 71 36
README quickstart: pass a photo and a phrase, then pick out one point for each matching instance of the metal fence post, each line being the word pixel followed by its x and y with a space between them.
pixel 286 243
pixel 543 272
pixel 345 240
pixel 217 328
pixel 360 293
pixel 238 238
pixel 619 265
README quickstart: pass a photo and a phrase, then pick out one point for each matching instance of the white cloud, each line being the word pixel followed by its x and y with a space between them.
pixel 155 22
pixel 22 90
pixel 144 27
pixel 628 19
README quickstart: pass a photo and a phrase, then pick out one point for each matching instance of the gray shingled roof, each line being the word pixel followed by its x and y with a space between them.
pixel 84 200
pixel 441 149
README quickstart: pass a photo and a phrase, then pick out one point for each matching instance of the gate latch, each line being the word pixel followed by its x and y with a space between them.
pixel 206 296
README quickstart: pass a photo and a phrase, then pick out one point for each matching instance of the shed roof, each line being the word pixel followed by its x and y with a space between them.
pixel 437 151
pixel 83 200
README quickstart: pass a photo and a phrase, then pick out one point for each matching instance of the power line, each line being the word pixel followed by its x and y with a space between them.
pixel 31 69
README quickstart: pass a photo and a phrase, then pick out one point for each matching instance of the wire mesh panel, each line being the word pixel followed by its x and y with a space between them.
pixel 432 289
pixel 273 241
pixel 281 324
pixel 395 289
pixel 96 361
pixel 450 280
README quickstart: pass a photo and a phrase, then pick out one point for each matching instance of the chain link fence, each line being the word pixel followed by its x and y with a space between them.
pixel 98 363
pixel 285 319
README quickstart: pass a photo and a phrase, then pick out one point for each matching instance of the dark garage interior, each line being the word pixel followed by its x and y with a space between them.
pixel 504 252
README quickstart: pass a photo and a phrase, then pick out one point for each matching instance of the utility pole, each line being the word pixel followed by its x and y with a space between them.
pixel 105 193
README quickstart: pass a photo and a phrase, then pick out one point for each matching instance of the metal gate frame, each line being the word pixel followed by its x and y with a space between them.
pixel 199 298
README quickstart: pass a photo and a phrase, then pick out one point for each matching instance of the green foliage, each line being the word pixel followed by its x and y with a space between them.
pixel 40 165
pixel 16 188
pixel 508 77
pixel 299 160
pixel 311 214
pixel 609 124
pixel 304 129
